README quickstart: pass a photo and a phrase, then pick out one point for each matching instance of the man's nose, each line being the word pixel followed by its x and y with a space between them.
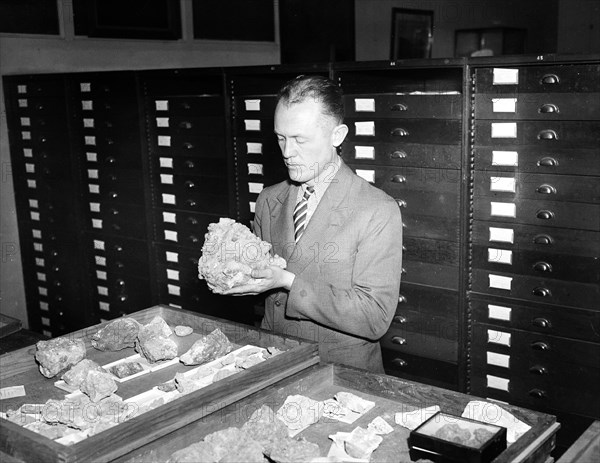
pixel 287 150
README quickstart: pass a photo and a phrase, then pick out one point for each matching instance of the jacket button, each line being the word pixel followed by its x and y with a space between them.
pixel 278 303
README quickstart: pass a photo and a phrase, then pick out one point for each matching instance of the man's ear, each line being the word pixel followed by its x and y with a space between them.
pixel 339 134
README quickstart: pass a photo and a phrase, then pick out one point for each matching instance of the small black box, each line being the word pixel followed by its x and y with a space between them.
pixel 449 438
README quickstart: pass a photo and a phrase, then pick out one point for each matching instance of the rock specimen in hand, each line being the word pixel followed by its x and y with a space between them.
pixel 57 354
pixel 207 348
pixel 153 341
pixel 117 335
pixel 97 385
pixel 230 253
pixel 75 376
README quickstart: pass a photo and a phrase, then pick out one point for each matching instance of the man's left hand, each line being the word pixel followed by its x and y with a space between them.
pixel 269 278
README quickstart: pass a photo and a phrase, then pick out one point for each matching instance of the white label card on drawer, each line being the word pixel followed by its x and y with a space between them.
pixel 91 157
pixel 38 247
pixel 166 163
pixel 504 76
pixel 34 215
pixel 93 188
pixel 172 274
pixel 171 235
pixel 252 105
pixel 21 88
pixel 100 260
pixel 161 105
pixel 22 103
pixel 85 87
pixel 87 105
pixel 168 198
pixel 254 187
pixel 33 203
pixel 499 312
pixel 96 223
pixel 252 124
pixel 505 158
pixel 255 169
pixel 252 205
pixel 500 282
pixel 36 233
pixel 172 256
pixel 367 174
pixel 40 262
pixel 499 360
pixel 504 130
pixel 502 235
pixel 162 122
pixel 364 128
pixel 364 152
pixel 31 184
pixel 105 306
pixel 498 337
pixel 29 168
pixel 101 274
pixel 44 306
pixel 254 148
pixel 42 291
pixel 174 290
pixel 12 391
pixel 504 105
pixel 169 217
pixel 41 276
pixel 92 173
pixel 88 123
pixel 26 135
pixel 503 209
pixel 102 290
pixel 95 207
pixel 28 152
pixel 506 184
pixel 499 256
pixel 496 382
pixel 25 121
pixel 164 140
pixel 166 179
pixel 364 105
pixel 99 244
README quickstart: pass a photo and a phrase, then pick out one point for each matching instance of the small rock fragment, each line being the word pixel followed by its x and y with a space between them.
pixel 182 330
pixel 207 348
pixel 117 335
pixel 98 385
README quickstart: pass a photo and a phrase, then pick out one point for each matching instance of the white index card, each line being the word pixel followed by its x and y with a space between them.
pixel 174 290
pixel 44 306
pixel 252 105
pixel 501 235
pixel 31 183
pixel 255 168
pixel 364 105
pixel 499 312
pixel 254 187
pixel 105 306
pixel 171 235
pixel 161 105
pixel 34 216
pixel 87 105
pixel 498 337
pixel 162 122
pixel 95 207
pixel 38 247
pixel 36 233
pixel 164 140
pixel 504 105
pixel 99 244
pixel 168 198
pixel 25 121
pixel 166 163
pixel 100 260
pixel 92 173
pixel 91 157
pixel 21 88
pixel 254 148
pixel 41 276
pixel 506 184
pixel 43 291
pixel 90 140
pixel 364 152
pixel 504 130
pixel 503 209
pixel 172 256
pixel 166 179
pixel 102 290
pixel 85 87
pixel 96 223
pixel 28 152
pixel 500 256
pixel 252 125
pixel 40 262
pixel 364 128
pixel 499 360
pixel 503 76
pixel 505 158
pixel 252 205
pixel 22 102
pixel 26 135
pixel 367 174
pixel 88 122
pixel 33 203
pixel 93 188
pixel 29 168
pixel 169 217
pixel 172 274
pixel 45 321
pixel 500 282
pixel 101 275
pixel 496 382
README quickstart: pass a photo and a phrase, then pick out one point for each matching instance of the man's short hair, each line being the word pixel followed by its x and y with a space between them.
pixel 320 89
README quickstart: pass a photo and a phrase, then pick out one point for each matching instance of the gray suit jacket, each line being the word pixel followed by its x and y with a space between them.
pixel 347 268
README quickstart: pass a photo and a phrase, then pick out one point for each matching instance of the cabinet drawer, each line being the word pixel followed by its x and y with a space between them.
pixel 178 184
pixel 121 296
pixel 431 302
pixel 255 125
pixel 447 132
pixel 183 260
pixel 550 134
pixel 543 290
pixel 54 212
pixel 192 165
pixel 417 322
pixel 583 269
pixel 538 106
pixel 422 369
pixel 537 159
pixel 188 145
pixel 187 106
pixel 182 228
pixel 421 344
pixel 430 262
pixel 121 219
pixel 402 154
pixel 255 106
pixel 536 238
pixel 403 106
pixel 171 199
pixel 109 255
pixel 505 186
pixel 557 321
pixel 546 79
pixel 186 127
pixel 111 194
pixel 541 213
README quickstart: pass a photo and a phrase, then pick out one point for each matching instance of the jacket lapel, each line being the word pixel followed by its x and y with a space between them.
pixel 282 223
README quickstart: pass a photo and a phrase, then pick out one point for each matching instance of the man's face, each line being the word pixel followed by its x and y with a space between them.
pixel 306 138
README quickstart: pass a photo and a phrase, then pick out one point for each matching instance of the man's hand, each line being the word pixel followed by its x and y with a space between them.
pixel 270 278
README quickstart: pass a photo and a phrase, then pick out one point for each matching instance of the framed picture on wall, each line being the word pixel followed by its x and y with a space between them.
pixel 412 33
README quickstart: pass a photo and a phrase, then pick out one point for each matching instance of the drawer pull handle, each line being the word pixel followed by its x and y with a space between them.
pixel 548 108
pixel 113 194
pixel 547 161
pixel 398 179
pixel 192 221
pixel 400 319
pixel 540 322
pixel 400 132
pixel 122 298
pixel 111 160
pixel 114 211
pixel 540 345
pixel 399 362
pixel 546 189
pixel 537 393
pixel 189 164
pixel 543 267
pixel 185 125
pixel 401 202
pixel 118 248
pixel 398 340
pixel 399 107
pixel 549 79
pixel 541 292
pixel 402 299
pixel 191 203
pixel 398 155
pixel 120 282
pixel 547 134
pixel 544 214
pixel 120 264
pixel 538 370
pixel 187 145
pixel 403 271
pixel 543 239
pixel 190 184
pixel 194 239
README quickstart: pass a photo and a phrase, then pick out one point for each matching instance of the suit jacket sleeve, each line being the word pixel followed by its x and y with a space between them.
pixel 365 307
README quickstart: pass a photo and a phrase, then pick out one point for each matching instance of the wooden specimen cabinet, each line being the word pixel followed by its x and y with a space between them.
pixel 494 162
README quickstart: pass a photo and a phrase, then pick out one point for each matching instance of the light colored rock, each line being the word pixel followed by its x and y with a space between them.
pixel 58 354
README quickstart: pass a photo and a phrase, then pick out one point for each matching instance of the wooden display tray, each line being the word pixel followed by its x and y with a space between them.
pixel 390 395
pixel 8 325
pixel 19 368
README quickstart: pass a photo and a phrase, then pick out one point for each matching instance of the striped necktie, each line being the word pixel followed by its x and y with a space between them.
pixel 300 213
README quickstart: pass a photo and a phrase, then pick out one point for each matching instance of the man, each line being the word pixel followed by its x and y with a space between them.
pixel 341 237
